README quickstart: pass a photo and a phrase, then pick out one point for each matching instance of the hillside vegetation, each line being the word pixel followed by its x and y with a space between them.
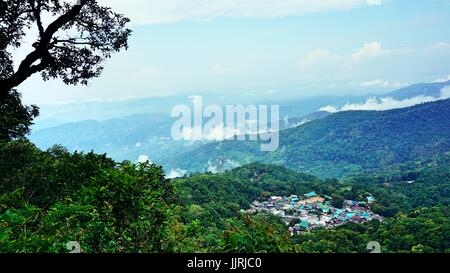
pixel 49 198
pixel 342 144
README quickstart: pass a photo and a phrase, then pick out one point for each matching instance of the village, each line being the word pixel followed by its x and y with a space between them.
pixel 311 211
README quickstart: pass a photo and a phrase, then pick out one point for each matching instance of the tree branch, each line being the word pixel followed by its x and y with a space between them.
pixel 37 15
pixel 26 67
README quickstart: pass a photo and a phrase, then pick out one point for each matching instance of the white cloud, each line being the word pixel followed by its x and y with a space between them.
pixel 223 166
pixel 175 173
pixel 166 11
pixel 382 84
pixel 367 51
pixel 324 64
pixel 375 49
pixel 443 79
pixel 387 103
pixel 374 2
pixel 440 46
pixel 320 56
pixel 212 168
pixel 329 109
pixel 143 159
pixel 445 92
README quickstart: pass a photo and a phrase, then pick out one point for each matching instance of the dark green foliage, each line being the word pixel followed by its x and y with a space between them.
pixel 50 198
pixel 46 177
pixel 408 186
pixel 15 118
pixel 421 230
pixel 72 46
pixel 212 201
pixel 258 234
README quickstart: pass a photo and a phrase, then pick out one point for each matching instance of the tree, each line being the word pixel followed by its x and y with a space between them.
pixel 50 198
pixel 15 119
pixel 71 47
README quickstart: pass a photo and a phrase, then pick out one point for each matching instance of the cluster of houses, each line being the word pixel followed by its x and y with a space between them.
pixel 310 211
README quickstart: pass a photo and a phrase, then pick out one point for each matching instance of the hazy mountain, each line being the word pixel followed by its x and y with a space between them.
pixel 52 115
pixel 292 107
pixel 306 106
pixel 145 135
pixel 148 134
pixel 340 144
pixel 294 122
pixel 420 89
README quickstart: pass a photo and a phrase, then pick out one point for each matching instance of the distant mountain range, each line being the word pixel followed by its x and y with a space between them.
pixel 147 134
pixel 340 144
pixel 128 138
pixel 54 115
pixel 142 135
pixel 420 89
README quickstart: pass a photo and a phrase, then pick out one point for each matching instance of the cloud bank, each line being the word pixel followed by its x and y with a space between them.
pixel 387 103
pixel 443 79
pixel 175 173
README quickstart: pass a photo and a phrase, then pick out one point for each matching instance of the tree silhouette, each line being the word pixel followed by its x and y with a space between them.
pixel 72 46
pixel 15 119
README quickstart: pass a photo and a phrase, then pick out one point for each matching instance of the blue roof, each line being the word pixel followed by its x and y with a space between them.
pixel 311 194
pixel 304 224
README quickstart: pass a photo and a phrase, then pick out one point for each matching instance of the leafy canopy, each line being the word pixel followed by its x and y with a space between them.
pixel 71 47
pixel 15 118
pixel 73 41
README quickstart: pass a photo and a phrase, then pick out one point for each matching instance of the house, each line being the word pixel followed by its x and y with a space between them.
pixel 323 207
pixel 350 215
pixel 311 194
pixel 304 224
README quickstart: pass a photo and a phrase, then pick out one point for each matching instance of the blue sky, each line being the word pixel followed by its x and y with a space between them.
pixel 253 47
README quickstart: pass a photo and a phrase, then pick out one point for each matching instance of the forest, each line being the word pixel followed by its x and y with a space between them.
pixel 49 198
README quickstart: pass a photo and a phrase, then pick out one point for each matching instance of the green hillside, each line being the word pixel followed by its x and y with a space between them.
pixel 48 198
pixel 343 143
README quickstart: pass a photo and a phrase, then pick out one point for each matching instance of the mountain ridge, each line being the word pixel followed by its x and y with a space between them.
pixel 343 143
